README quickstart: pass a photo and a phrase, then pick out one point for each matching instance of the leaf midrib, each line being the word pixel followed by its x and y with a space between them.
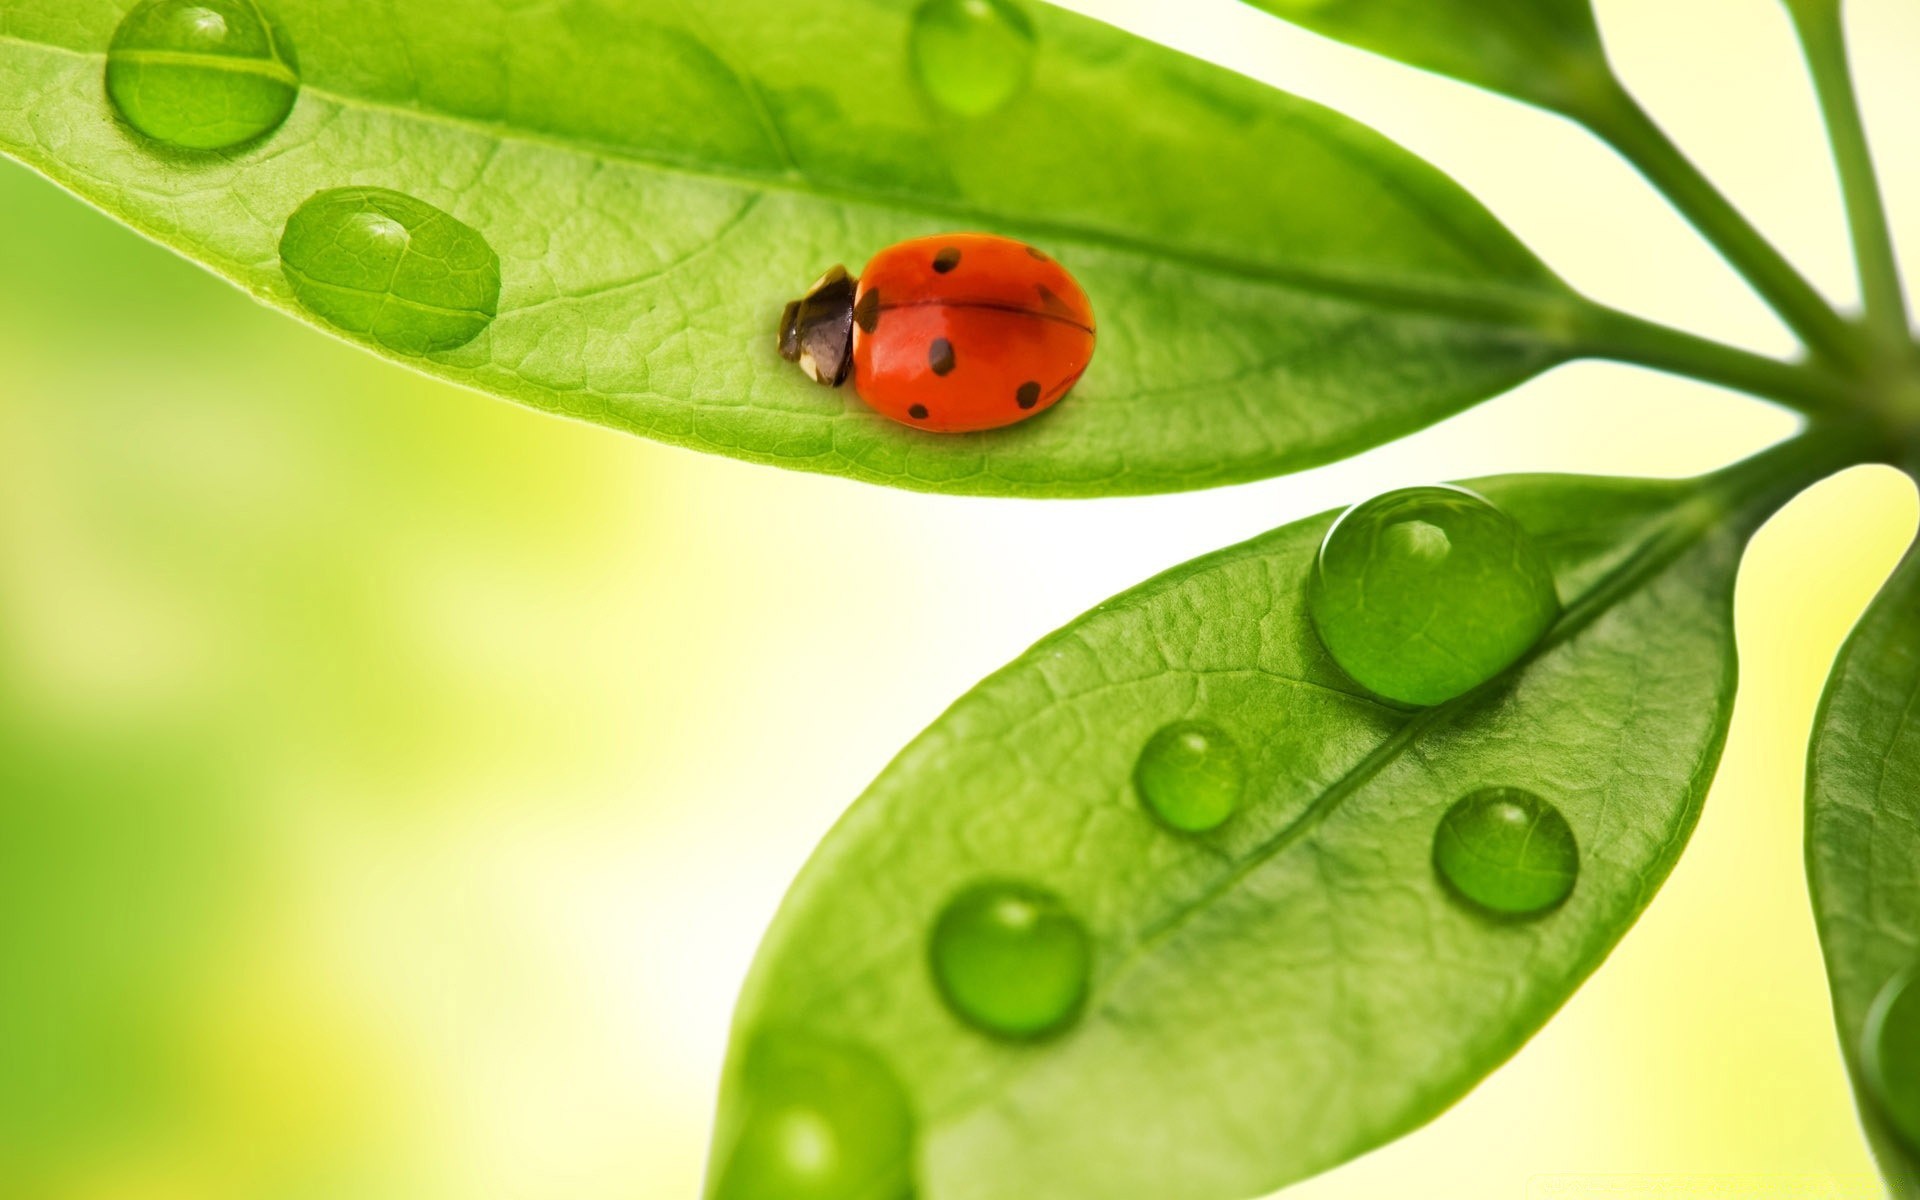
pixel 264 68
pixel 1553 316
pixel 387 294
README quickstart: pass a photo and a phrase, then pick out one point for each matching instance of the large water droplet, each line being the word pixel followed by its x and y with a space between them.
pixel 815 1120
pixel 202 74
pixel 1011 960
pixel 1190 775
pixel 1890 1054
pixel 1425 593
pixel 393 269
pixel 1507 851
pixel 972 56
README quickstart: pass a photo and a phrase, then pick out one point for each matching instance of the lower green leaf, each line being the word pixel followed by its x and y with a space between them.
pixel 1863 862
pixel 1081 997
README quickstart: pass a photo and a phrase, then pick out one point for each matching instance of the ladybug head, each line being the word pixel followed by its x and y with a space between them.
pixel 816 330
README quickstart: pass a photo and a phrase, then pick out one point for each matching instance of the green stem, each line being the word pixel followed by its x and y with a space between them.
pixel 1755 488
pixel 1823 39
pixel 1617 118
pixel 1622 337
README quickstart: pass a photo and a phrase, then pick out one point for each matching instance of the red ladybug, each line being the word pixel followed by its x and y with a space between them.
pixel 954 333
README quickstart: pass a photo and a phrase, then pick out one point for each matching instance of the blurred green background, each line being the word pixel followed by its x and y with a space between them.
pixel 394 783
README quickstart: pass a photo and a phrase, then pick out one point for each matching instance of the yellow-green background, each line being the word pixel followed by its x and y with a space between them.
pixel 394 783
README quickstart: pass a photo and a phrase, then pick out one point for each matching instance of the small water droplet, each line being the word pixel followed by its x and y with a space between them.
pixel 1507 851
pixel 1011 961
pixel 815 1119
pixel 1890 1054
pixel 1190 775
pixel 392 269
pixel 202 74
pixel 972 56
pixel 1427 592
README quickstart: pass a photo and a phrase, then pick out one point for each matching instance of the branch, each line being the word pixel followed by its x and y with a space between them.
pixel 1617 118
pixel 1823 39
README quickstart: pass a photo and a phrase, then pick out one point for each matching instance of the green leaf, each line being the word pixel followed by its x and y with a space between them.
pixel 1278 996
pixel 1276 285
pixel 1863 833
pixel 1545 52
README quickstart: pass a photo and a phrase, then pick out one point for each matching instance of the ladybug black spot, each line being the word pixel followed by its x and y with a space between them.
pixel 1053 303
pixel 940 356
pixel 1028 395
pixel 1039 254
pixel 918 412
pixel 947 259
pixel 866 313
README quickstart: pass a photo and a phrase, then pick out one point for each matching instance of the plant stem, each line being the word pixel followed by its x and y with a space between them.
pixel 1617 118
pixel 1756 487
pixel 1823 40
pixel 1622 337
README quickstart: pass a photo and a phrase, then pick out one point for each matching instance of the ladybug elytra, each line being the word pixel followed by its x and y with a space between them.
pixel 953 333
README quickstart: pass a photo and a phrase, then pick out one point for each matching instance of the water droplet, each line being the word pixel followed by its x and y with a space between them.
pixel 1890 1054
pixel 1011 960
pixel 815 1119
pixel 972 56
pixel 202 74
pixel 1190 775
pixel 393 269
pixel 1425 593
pixel 1507 851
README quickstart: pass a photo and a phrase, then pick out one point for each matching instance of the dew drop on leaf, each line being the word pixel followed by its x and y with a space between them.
pixel 1507 851
pixel 1010 960
pixel 1190 775
pixel 1425 593
pixel 202 74
pixel 392 269
pixel 1890 1054
pixel 972 56
pixel 815 1119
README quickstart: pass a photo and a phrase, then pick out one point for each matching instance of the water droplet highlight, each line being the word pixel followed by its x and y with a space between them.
pixel 972 57
pixel 202 74
pixel 392 269
pixel 1427 592
pixel 1190 775
pixel 1011 961
pixel 815 1119
pixel 1890 1054
pixel 1507 851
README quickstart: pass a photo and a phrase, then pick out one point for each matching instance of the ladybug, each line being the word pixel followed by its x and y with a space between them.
pixel 955 333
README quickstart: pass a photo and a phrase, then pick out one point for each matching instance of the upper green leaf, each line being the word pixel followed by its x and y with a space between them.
pixel 1280 994
pixel 1546 52
pixel 1863 845
pixel 1276 285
